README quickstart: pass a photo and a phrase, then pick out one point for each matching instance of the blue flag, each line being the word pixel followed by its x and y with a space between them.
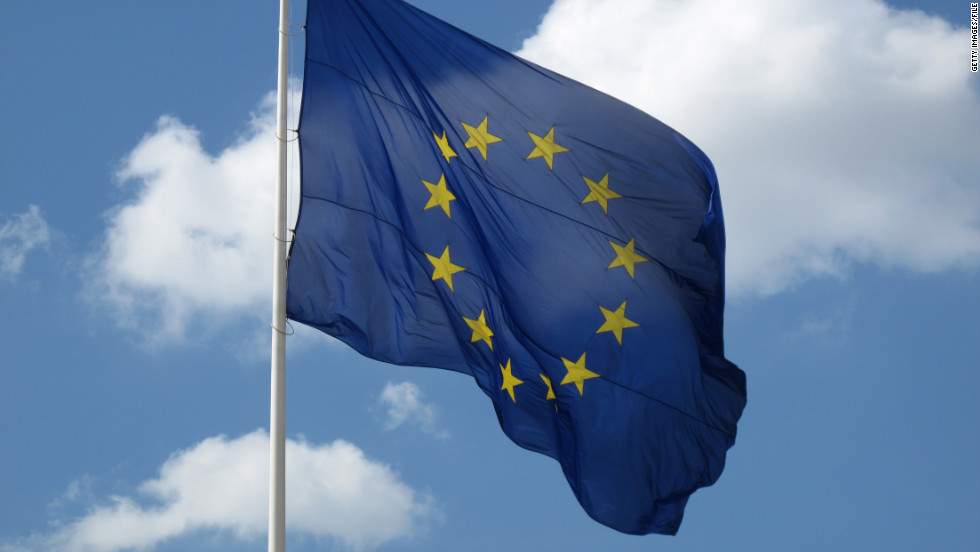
pixel 465 209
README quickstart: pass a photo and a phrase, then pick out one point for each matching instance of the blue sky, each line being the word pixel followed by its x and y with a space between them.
pixel 135 251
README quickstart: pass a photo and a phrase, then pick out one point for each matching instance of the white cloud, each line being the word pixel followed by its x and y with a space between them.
pixel 842 130
pixel 221 484
pixel 18 236
pixel 196 240
pixel 404 403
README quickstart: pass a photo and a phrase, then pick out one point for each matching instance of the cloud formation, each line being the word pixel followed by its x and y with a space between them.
pixel 196 239
pixel 18 236
pixel 844 132
pixel 221 484
pixel 403 403
pixel 191 240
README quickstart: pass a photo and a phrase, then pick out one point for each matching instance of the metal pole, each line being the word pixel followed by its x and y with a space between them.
pixel 277 411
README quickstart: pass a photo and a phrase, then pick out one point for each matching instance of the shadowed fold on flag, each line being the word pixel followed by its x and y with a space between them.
pixel 465 209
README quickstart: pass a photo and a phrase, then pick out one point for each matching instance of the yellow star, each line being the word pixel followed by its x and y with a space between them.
pixel 440 195
pixel 480 330
pixel 443 269
pixel 447 150
pixel 551 391
pixel 479 137
pixel 626 257
pixel 577 373
pixel 600 192
pixel 616 322
pixel 545 147
pixel 509 380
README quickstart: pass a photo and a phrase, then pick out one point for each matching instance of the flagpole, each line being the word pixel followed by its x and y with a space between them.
pixel 277 410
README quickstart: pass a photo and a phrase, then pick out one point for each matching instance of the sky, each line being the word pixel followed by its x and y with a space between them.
pixel 136 244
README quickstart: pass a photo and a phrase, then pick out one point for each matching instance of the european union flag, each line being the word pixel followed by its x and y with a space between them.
pixel 465 209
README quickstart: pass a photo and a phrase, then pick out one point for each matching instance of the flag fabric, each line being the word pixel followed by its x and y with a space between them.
pixel 465 209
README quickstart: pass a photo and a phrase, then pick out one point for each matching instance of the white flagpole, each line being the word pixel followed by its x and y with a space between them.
pixel 277 411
